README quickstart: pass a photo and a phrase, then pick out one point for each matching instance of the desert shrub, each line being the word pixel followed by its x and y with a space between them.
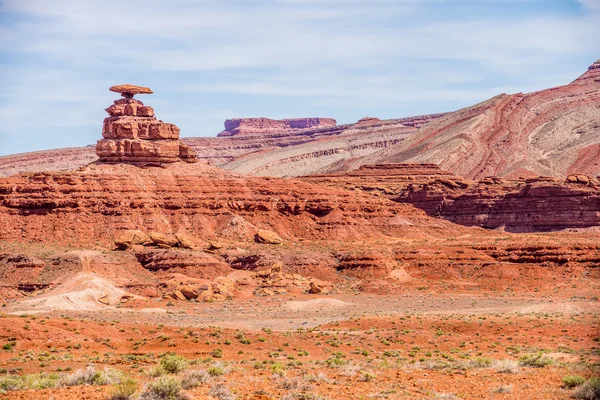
pixel 481 362
pixel 367 376
pixel 571 381
pixel 503 389
pixel 349 370
pixel 217 353
pixel 41 381
pixel 125 390
pixel 535 360
pixel 216 370
pixel 221 392
pixel 157 371
pixel 506 366
pixel 335 361
pixel 9 383
pixel 195 378
pixel 277 368
pixel 90 376
pixel 303 396
pixel 163 388
pixel 446 396
pixel 294 384
pixel 590 390
pixel 173 364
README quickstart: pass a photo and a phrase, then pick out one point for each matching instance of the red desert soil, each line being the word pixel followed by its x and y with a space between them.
pixel 408 350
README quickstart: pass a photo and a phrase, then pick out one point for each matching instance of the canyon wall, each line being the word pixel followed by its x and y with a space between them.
pixel 527 205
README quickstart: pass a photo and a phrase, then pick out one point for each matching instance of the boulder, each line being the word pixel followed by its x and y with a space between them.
pixel 188 292
pixel 319 287
pixel 267 237
pixel 177 295
pixel 185 241
pixel 130 89
pixel 129 238
pixel 164 241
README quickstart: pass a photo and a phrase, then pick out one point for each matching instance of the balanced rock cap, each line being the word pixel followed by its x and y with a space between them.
pixel 130 90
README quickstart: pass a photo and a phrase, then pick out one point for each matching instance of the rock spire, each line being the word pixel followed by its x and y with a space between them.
pixel 132 134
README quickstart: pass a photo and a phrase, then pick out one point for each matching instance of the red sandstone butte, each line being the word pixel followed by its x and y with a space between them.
pixel 258 126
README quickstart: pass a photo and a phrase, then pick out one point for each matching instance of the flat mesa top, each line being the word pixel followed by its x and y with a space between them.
pixel 131 89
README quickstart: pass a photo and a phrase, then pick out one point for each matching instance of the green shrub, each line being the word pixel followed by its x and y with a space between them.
pixel 535 360
pixel 125 389
pixel 9 383
pixel 173 364
pixel 217 353
pixel 277 368
pixel 163 388
pixel 481 362
pixel 8 346
pixel 216 370
pixel 571 381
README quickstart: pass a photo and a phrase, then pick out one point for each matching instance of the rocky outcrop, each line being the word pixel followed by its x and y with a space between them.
pixel 384 179
pixel 261 126
pixel 132 133
pixel 536 204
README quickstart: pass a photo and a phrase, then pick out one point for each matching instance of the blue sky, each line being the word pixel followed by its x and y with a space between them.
pixel 209 60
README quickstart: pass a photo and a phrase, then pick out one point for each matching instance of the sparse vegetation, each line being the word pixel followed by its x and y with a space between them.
pixel 571 381
pixel 590 390
pixel 165 387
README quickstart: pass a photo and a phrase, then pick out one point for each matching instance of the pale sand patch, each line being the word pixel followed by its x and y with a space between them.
pixel 314 305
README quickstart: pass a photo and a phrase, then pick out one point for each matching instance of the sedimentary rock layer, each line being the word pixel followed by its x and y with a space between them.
pixel 536 204
pixel 260 126
pixel 94 204
pixel 132 133
pixel 386 179
pixel 553 132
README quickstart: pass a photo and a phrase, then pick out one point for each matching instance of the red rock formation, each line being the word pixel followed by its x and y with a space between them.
pixel 133 135
pixel 549 132
pixel 261 126
pixel 96 203
pixel 368 121
pixel 537 204
pixel 386 179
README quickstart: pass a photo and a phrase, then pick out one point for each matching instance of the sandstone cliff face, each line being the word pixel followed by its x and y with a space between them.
pixel 96 203
pixel 536 204
pixel 382 179
pixel 259 126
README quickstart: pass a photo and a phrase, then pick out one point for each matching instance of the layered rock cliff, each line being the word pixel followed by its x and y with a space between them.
pixel 385 179
pixel 94 204
pixel 259 126
pixel 535 204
